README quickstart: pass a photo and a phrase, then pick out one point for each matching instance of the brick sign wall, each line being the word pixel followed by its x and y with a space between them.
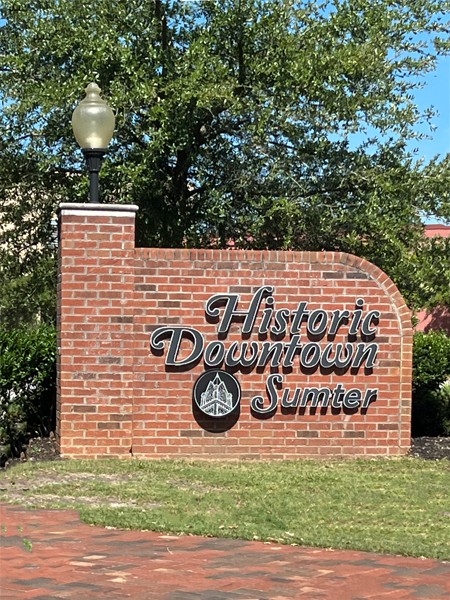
pixel 307 354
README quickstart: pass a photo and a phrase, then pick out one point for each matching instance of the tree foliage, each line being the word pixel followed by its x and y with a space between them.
pixel 271 123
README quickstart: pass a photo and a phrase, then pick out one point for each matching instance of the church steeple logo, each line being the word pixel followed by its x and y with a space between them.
pixel 217 393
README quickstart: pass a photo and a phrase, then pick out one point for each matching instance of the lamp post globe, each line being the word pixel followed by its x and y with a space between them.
pixel 93 126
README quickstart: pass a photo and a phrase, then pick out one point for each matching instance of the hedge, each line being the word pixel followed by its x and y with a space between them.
pixel 27 386
pixel 431 396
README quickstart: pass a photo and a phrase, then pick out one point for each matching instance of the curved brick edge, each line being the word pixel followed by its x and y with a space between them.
pixel 286 256
pixel 404 318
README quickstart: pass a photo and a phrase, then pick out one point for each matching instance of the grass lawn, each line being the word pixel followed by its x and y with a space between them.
pixel 395 506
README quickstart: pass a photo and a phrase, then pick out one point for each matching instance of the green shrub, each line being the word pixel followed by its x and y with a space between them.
pixel 431 359
pixel 431 398
pixel 431 412
pixel 27 385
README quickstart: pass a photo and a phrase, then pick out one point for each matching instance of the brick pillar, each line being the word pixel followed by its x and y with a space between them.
pixel 95 330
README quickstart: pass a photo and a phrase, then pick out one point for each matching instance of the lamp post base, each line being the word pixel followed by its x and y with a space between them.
pixel 94 158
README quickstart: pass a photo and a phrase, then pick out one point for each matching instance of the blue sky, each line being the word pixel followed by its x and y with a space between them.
pixel 437 94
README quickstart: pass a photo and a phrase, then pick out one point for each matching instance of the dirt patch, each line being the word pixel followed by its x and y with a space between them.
pixel 38 450
pixel 37 500
pixel 24 490
pixel 20 489
pixel 39 479
pixel 430 448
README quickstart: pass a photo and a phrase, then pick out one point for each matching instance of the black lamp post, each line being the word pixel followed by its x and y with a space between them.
pixel 93 125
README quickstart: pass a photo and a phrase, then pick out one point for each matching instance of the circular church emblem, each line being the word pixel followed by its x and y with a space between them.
pixel 217 393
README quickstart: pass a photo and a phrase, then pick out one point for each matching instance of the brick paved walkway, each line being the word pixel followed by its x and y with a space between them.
pixel 74 561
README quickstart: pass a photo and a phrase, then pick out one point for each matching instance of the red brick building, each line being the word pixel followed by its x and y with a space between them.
pixel 439 318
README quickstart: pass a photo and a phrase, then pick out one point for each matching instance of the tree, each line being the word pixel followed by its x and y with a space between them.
pixel 28 244
pixel 434 276
pixel 236 119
